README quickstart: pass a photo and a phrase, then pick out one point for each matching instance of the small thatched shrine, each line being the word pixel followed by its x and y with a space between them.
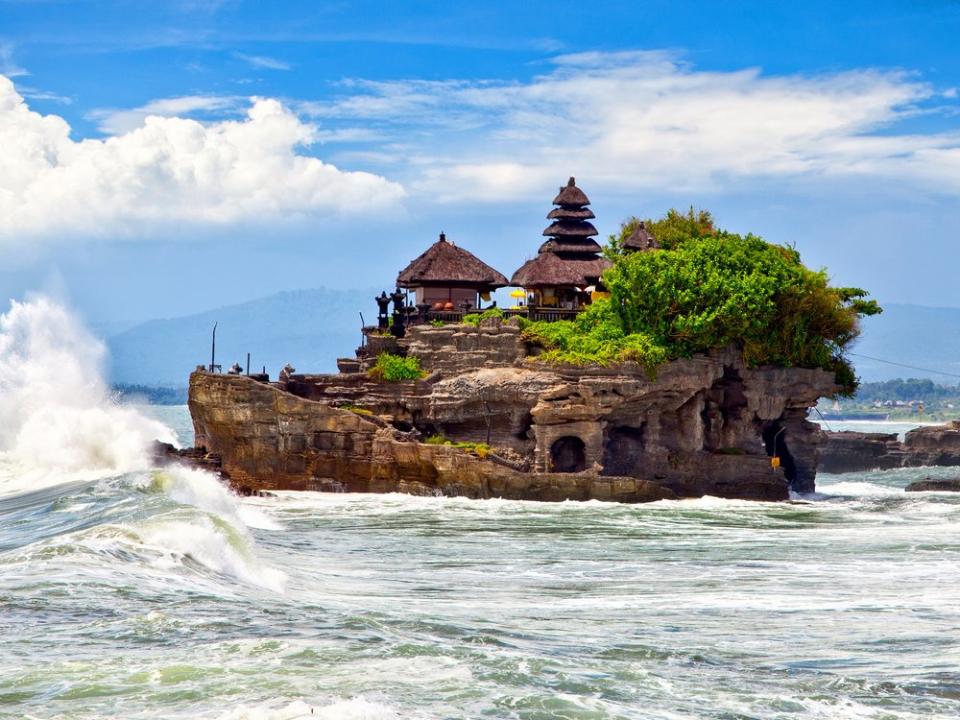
pixel 568 266
pixel 640 240
pixel 448 277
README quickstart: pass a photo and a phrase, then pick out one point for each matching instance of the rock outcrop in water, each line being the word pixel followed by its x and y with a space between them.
pixel 707 425
pixel 924 446
pixel 934 485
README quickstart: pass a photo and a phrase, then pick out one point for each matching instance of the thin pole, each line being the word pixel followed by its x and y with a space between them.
pixel 363 338
pixel 248 364
pixel 213 348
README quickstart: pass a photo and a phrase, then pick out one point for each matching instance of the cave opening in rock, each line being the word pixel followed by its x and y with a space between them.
pixel 522 430
pixel 775 442
pixel 623 450
pixel 568 455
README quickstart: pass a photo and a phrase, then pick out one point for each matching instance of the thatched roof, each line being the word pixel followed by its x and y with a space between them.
pixel 571 228
pixel 565 213
pixel 571 195
pixel 640 239
pixel 548 269
pixel 571 245
pixel 446 264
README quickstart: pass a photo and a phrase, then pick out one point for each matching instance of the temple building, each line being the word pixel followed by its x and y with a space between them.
pixel 640 240
pixel 568 266
pixel 447 277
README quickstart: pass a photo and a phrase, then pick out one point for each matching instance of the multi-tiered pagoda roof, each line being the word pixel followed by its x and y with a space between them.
pixel 571 257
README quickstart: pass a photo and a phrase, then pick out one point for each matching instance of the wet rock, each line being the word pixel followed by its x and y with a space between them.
pixel 933 485
pixel 858 451
pixel 934 445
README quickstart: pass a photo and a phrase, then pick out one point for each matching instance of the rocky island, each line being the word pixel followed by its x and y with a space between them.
pixel 932 445
pixel 681 361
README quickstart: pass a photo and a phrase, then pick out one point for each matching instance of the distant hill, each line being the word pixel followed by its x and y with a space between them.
pixel 309 329
pixel 312 328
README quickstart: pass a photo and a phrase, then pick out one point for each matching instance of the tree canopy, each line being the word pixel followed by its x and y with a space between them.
pixel 708 288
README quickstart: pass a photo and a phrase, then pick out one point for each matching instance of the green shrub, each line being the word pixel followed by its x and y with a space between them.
pixel 437 323
pixel 476 318
pixel 395 368
pixel 481 450
pixel 355 409
pixel 594 337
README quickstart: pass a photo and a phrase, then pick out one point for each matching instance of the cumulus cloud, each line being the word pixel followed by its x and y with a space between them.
pixel 171 170
pixel 647 120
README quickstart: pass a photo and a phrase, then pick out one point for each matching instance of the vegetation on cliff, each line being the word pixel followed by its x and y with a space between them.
pixel 476 318
pixel 708 288
pixel 396 368
pixel 481 450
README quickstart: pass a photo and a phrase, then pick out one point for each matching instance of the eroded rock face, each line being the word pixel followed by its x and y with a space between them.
pixel 854 451
pixel 707 425
pixel 269 439
pixel 924 446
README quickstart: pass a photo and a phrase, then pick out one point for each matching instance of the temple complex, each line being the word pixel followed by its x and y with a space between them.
pixel 568 266
pixel 434 404
pixel 448 282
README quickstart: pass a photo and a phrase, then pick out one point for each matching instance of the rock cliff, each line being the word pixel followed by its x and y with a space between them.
pixel 706 425
pixel 925 446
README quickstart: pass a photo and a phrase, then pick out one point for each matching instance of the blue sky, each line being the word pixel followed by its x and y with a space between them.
pixel 304 144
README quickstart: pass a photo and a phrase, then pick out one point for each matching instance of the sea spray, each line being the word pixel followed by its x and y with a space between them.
pixel 57 419
pixel 59 425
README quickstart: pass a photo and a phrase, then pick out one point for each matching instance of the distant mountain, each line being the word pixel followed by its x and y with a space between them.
pixel 309 329
pixel 312 328
pixel 924 337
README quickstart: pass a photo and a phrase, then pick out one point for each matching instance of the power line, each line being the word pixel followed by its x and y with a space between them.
pixel 909 367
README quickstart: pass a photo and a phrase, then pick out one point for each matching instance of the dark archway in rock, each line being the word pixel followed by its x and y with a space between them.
pixel 623 450
pixel 775 442
pixel 568 455
pixel 722 411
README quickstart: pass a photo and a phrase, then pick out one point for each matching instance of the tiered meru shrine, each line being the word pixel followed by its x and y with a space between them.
pixel 446 282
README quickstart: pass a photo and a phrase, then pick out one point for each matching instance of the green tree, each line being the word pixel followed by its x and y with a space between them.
pixel 709 289
pixel 670 231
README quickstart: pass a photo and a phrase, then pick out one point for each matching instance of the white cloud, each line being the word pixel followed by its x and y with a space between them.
pixel 112 121
pixel 168 172
pixel 263 62
pixel 645 120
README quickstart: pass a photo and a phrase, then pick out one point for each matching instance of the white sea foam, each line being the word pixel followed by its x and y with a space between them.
pixel 353 709
pixel 218 537
pixel 58 422
pixel 199 488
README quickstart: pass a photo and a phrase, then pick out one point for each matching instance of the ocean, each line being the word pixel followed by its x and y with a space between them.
pixel 132 592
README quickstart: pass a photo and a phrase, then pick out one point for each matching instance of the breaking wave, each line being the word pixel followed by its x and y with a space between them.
pixel 61 430
pixel 58 422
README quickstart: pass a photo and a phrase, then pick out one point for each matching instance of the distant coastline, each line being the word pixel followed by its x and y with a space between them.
pixel 154 394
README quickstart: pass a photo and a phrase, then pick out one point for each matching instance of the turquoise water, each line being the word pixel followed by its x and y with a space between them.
pixel 139 594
